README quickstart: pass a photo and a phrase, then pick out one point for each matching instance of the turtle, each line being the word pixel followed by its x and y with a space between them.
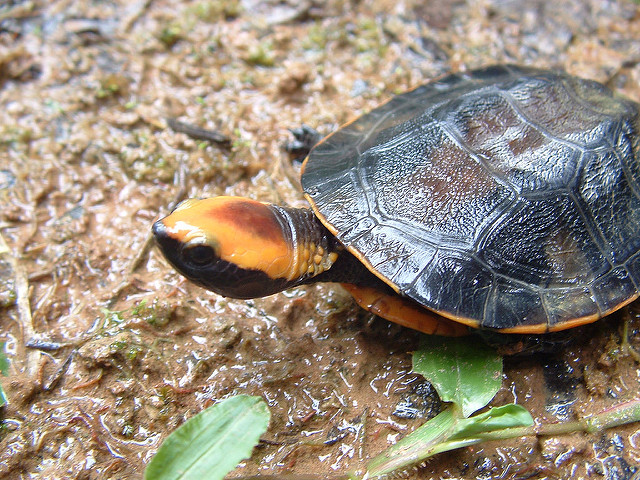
pixel 504 198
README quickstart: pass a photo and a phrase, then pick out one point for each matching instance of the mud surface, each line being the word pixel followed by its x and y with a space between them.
pixel 111 350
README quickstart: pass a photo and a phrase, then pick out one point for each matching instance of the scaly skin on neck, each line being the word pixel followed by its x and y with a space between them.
pixel 313 249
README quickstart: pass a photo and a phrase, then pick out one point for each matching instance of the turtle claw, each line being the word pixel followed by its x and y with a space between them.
pixel 305 137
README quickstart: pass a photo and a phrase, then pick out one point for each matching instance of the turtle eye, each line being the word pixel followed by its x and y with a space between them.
pixel 199 255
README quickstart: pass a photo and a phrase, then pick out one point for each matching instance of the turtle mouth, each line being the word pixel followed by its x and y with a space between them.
pixel 159 229
pixel 160 233
pixel 169 246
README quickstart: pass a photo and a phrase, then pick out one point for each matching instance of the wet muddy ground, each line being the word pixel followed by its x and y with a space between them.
pixel 111 350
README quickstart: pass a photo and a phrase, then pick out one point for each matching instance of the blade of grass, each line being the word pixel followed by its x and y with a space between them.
pixel 448 431
pixel 4 361
pixel 4 370
pixel 415 447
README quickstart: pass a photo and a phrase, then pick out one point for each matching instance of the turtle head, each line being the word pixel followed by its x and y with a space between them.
pixel 235 246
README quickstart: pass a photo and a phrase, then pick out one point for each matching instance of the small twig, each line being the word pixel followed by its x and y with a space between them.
pixel 89 383
pixel 35 276
pixel 142 254
pixel 199 133
pixel 57 376
pixel 181 182
pixel 46 345
pixel 361 432
pixel 24 308
pixel 23 10
pixel 39 305
pixel 134 12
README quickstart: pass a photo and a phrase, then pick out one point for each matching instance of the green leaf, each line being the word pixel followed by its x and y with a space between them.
pixel 211 444
pixel 463 370
pixel 4 361
pixel 4 369
pixel 448 431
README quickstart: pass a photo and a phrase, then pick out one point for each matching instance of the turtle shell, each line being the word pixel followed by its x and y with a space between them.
pixel 504 198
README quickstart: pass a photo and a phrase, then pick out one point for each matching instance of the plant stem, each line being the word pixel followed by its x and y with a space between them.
pixel 624 413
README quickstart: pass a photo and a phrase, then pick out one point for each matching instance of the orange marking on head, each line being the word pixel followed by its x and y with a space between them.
pixel 255 218
pixel 241 231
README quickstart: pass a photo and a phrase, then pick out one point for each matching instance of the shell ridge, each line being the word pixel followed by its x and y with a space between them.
pixel 595 232
pixel 513 103
pixel 479 158
pixel 631 181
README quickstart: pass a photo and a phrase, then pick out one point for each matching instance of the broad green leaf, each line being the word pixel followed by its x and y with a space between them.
pixel 4 369
pixel 463 370
pixel 4 361
pixel 211 444
pixel 448 431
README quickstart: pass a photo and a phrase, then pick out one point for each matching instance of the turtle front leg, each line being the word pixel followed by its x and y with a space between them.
pixel 305 138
